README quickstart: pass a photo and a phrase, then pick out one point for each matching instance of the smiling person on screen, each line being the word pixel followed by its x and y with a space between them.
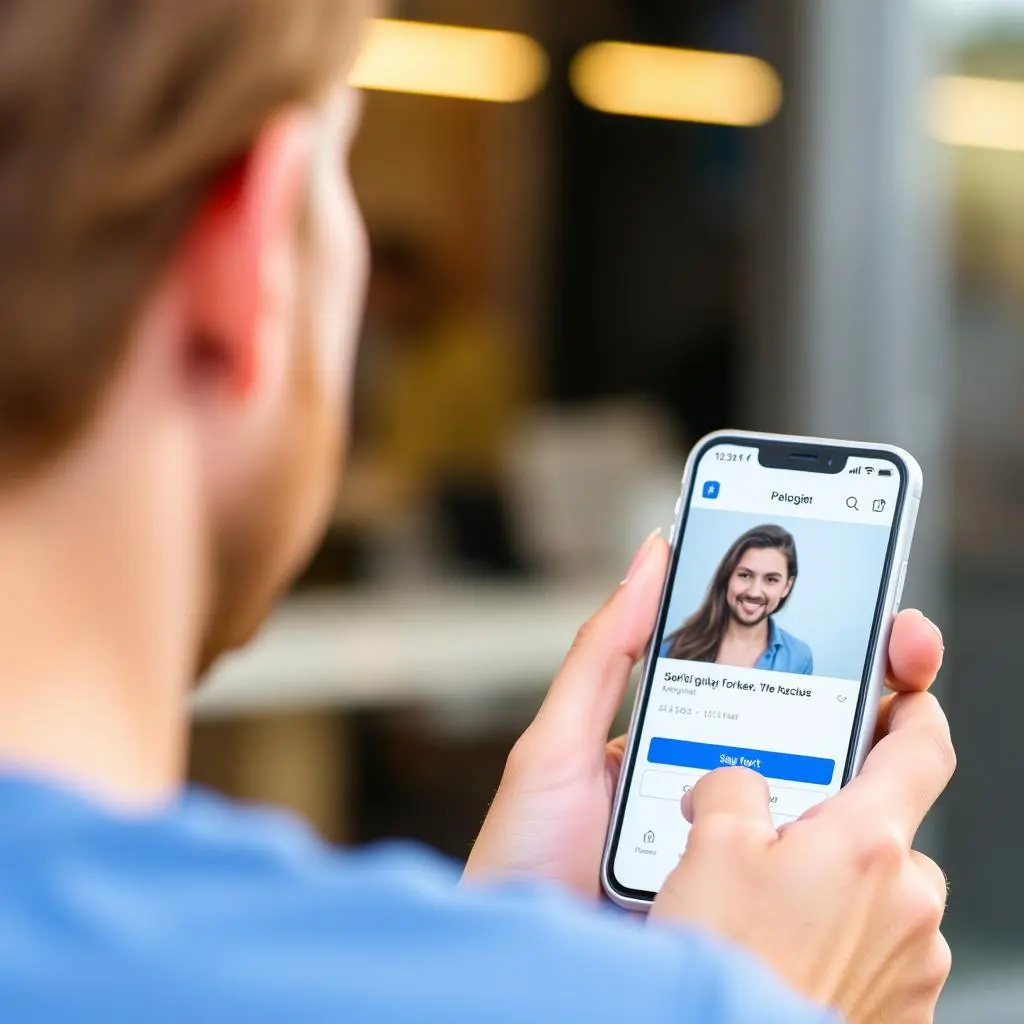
pixel 735 625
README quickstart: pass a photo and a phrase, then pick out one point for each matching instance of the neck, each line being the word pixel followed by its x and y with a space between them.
pixel 94 634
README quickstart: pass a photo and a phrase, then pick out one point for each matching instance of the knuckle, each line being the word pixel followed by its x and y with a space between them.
pixel 944 753
pixel 878 847
pixel 526 756
pixel 940 963
pixel 932 876
pixel 516 755
pixel 583 636
pixel 535 762
pixel 924 898
pixel 925 909
pixel 932 972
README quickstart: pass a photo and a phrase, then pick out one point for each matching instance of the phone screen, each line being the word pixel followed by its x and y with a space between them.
pixel 764 651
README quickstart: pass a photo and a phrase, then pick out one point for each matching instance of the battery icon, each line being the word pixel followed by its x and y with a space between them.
pixel 885 472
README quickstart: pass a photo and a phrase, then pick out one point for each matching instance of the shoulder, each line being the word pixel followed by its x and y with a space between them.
pixel 214 913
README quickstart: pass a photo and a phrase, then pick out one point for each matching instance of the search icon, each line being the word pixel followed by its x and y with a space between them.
pixel 851 502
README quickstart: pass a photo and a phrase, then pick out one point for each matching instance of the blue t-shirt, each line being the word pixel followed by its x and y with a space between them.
pixel 784 653
pixel 210 914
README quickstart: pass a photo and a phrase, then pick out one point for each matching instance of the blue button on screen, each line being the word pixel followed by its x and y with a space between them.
pixel 711 490
pixel 815 771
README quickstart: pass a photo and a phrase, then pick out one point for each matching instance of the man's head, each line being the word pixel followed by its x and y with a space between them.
pixel 182 270
pixel 757 574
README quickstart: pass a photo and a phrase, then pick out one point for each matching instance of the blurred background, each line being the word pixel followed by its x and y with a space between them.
pixel 804 216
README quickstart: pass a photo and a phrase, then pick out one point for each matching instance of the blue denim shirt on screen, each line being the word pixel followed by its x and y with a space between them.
pixel 784 653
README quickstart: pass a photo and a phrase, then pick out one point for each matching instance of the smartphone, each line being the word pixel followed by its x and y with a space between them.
pixel 789 556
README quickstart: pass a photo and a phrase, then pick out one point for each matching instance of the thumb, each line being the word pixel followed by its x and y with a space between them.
pixel 588 690
pixel 736 792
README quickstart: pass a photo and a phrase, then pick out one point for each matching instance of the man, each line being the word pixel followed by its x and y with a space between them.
pixel 181 277
pixel 735 624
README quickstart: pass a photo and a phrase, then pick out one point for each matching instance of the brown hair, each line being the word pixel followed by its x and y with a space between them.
pixel 700 637
pixel 116 119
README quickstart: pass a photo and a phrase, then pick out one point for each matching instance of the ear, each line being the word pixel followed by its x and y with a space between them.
pixel 789 587
pixel 240 261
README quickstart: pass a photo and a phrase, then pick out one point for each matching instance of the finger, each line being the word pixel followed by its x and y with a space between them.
pixel 934 877
pixel 941 964
pixel 588 690
pixel 915 652
pixel 886 708
pixel 906 772
pixel 730 792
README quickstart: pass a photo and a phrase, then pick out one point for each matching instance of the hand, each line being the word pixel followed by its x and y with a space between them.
pixel 550 814
pixel 837 902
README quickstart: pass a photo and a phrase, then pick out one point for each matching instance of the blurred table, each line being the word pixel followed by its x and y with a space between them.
pixel 365 647
pixel 343 649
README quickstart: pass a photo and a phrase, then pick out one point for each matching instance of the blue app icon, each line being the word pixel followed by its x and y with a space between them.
pixel 711 489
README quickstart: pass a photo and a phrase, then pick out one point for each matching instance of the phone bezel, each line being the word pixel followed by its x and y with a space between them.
pixel 806 450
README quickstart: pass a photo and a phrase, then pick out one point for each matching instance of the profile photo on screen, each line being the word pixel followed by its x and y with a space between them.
pixel 735 625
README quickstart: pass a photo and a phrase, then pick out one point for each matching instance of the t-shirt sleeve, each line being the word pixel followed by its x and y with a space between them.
pixel 387 935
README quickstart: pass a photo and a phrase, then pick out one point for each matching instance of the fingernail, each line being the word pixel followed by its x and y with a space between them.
pixel 935 629
pixel 938 632
pixel 641 556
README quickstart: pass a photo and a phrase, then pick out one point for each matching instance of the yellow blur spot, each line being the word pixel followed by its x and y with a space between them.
pixel 982 113
pixel 446 60
pixel 678 85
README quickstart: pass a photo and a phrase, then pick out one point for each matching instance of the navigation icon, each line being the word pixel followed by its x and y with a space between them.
pixel 878 505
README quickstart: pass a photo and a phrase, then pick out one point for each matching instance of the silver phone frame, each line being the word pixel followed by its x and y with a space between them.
pixel 897 568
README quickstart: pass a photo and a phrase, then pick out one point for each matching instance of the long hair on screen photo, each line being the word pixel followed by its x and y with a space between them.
pixel 700 637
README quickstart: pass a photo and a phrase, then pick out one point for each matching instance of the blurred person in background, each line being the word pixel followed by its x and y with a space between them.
pixel 441 392
pixel 181 278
